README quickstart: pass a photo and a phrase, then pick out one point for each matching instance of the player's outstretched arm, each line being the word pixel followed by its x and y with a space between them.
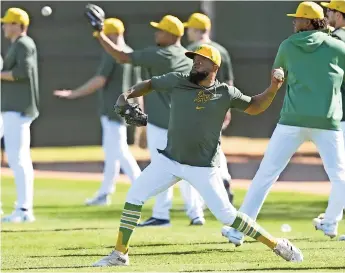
pixel 114 50
pixel 86 89
pixel 138 90
pixel 261 102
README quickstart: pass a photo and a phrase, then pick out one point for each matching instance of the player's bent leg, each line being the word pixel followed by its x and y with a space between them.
pixel 111 167
pixel 330 146
pixel 157 139
pixel 127 160
pixel 209 184
pixel 161 210
pixel 157 177
pixel 275 160
pixel 193 203
pixel 17 146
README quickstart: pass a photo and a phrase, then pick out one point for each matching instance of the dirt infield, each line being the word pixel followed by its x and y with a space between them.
pixel 312 187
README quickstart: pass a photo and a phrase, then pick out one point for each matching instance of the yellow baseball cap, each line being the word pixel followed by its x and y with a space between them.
pixel 198 21
pixel 308 10
pixel 208 52
pixel 16 15
pixel 113 26
pixel 170 24
pixel 335 4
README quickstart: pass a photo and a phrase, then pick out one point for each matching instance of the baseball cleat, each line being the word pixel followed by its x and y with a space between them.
pixel 19 216
pixel 198 221
pixel 115 258
pixel 155 222
pixel 288 251
pixel 99 200
pixel 234 236
pixel 329 228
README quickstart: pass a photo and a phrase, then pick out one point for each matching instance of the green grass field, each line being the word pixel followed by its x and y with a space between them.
pixel 68 236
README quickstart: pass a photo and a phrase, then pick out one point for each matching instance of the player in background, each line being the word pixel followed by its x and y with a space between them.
pixel 196 119
pixel 167 56
pixel 19 108
pixel 336 19
pixel 198 32
pixel 311 111
pixel 110 81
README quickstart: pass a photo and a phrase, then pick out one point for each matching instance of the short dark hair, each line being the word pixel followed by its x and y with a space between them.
pixel 319 24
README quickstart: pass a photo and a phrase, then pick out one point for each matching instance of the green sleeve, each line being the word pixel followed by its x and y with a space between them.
pixel 280 58
pixel 144 57
pixel 23 63
pixel 226 68
pixel 106 67
pixel 164 82
pixel 238 100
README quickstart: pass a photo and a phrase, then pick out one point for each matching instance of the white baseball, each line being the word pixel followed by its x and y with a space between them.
pixel 46 11
pixel 278 74
pixel 285 228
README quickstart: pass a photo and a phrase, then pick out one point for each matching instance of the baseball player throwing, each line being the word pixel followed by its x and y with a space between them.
pixel 311 111
pixel 198 105
pixel 111 80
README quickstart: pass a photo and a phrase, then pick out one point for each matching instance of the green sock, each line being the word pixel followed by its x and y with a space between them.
pixel 250 228
pixel 129 220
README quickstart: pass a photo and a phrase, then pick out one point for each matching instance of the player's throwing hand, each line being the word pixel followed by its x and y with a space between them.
pixel 277 81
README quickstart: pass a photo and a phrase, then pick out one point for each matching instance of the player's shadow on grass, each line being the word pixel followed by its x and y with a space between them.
pixel 47 267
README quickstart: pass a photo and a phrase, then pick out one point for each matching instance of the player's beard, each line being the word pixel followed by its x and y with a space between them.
pixel 196 76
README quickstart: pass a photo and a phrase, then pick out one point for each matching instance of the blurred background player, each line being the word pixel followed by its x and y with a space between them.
pixel 198 33
pixel 111 80
pixel 336 18
pixel 305 115
pixel 167 56
pixel 19 108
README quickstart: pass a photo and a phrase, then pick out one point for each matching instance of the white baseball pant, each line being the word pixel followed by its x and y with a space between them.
pixel 157 139
pixel 15 128
pixel 163 173
pixel 116 154
pixel 283 144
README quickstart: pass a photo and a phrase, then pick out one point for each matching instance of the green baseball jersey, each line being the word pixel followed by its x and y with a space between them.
pixel 340 34
pixel 119 78
pixel 196 117
pixel 22 94
pixel 314 65
pixel 157 61
pixel 225 72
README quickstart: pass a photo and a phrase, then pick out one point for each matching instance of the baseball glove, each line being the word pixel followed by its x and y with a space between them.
pixel 95 15
pixel 132 113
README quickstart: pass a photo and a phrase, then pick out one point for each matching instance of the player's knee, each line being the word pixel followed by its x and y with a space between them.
pixel 134 196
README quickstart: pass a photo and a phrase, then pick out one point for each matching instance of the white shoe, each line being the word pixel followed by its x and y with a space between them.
pixel 234 236
pixel 115 258
pixel 342 238
pixel 288 251
pixel 329 228
pixel 19 216
pixel 198 221
pixel 98 200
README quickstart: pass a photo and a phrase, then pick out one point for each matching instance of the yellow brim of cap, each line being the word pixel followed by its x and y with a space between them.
pixel 325 4
pixel 154 24
pixel 186 24
pixel 292 15
pixel 191 54
pixel 4 20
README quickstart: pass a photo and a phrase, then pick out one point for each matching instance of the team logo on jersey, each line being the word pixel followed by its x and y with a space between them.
pixel 202 97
